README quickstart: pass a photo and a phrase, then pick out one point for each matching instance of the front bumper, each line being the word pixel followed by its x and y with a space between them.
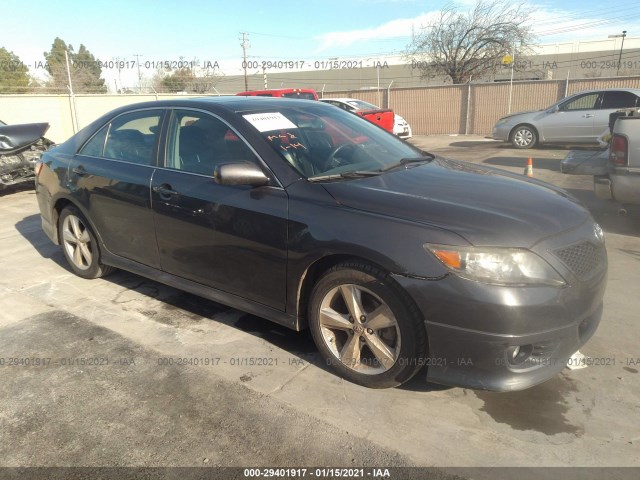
pixel 403 131
pixel 501 132
pixel 473 328
pixel 477 358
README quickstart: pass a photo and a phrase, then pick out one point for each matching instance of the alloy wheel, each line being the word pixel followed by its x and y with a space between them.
pixel 77 242
pixel 359 329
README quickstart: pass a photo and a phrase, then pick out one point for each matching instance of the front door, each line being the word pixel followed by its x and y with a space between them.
pixel 230 237
pixel 573 121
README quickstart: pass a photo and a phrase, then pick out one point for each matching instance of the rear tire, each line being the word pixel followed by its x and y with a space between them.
pixel 79 245
pixel 366 327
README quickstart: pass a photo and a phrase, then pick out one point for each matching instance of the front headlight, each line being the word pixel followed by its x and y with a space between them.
pixel 502 121
pixel 500 266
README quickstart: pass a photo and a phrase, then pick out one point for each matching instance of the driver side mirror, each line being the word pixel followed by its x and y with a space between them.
pixel 241 173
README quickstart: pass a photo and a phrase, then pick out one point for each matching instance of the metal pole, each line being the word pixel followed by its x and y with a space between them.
pixel 624 34
pixel 74 113
pixel 389 95
pixel 378 74
pixel 244 46
pixel 513 61
pixel 566 85
pixel 137 55
pixel 466 125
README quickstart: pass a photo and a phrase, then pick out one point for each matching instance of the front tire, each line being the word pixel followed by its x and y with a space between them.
pixel 524 136
pixel 366 327
pixel 79 245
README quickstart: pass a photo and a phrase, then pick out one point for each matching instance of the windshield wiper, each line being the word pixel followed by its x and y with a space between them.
pixel 405 161
pixel 354 174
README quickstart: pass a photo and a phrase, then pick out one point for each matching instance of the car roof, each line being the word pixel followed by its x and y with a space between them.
pixel 230 103
pixel 621 89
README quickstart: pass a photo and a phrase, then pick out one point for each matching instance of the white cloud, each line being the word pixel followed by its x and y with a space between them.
pixel 550 25
pixel 399 28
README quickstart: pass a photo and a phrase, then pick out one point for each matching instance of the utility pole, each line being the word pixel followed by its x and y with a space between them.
pixel 624 34
pixel 137 55
pixel 245 45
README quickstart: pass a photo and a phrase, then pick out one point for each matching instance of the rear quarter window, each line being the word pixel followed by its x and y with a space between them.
pixel 130 137
pixel 619 100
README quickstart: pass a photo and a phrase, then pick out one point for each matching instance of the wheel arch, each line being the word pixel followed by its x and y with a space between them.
pixel 316 269
pixel 60 204
pixel 528 125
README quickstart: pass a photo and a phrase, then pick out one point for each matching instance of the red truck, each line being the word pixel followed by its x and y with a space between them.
pixel 302 93
pixel 383 117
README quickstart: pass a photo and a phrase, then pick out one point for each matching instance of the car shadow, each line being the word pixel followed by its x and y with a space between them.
pixel 31 230
pixel 606 213
pixel 419 383
pixel 552 164
pixel 195 308
pixel 478 143
pixel 20 187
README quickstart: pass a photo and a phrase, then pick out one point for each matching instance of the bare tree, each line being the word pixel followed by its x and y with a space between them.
pixel 462 45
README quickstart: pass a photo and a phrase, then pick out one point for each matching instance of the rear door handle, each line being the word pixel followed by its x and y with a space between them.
pixel 587 115
pixel 165 190
pixel 80 171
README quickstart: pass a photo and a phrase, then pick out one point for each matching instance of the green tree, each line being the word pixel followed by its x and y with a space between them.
pixel 14 75
pixel 178 81
pixel 187 80
pixel 472 44
pixel 85 70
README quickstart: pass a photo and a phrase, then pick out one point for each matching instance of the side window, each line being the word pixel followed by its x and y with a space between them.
pixel 132 137
pixel 583 102
pixel 199 142
pixel 619 100
pixel 95 146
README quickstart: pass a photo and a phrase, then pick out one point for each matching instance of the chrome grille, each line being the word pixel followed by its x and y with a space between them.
pixel 582 259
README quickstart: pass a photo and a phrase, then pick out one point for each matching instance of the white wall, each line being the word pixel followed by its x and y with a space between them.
pixel 56 110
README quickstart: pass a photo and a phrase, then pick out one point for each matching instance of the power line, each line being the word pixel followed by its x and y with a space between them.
pixel 245 45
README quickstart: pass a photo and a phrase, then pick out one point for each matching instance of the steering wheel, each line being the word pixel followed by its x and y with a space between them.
pixel 333 160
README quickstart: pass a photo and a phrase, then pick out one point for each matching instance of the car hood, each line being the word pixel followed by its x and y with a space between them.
pixel 16 137
pixel 530 113
pixel 484 205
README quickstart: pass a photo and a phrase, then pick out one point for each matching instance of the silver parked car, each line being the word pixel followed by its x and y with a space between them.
pixel 580 118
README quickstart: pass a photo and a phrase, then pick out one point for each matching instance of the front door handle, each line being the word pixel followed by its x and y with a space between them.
pixel 165 190
pixel 80 171
pixel 587 115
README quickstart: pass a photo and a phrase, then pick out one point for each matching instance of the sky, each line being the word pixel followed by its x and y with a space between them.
pixel 150 32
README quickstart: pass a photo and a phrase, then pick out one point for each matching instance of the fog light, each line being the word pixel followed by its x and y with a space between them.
pixel 518 354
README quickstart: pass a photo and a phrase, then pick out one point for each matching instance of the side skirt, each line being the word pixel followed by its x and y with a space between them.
pixel 233 301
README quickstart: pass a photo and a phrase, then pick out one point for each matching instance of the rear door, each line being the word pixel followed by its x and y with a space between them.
pixel 611 101
pixel 111 178
pixel 230 237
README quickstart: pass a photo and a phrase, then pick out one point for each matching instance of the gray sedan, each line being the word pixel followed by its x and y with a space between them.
pixel 580 118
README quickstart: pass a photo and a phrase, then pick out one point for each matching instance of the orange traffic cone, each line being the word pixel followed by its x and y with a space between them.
pixel 528 170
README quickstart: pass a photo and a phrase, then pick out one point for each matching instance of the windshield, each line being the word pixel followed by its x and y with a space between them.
pixel 319 141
